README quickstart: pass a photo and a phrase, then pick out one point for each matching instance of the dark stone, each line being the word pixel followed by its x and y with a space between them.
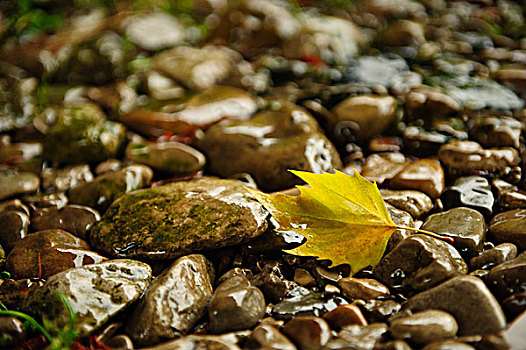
pixel 468 300
pixel 494 256
pixel 267 145
pixel 424 327
pixel 75 219
pixel 235 305
pixel 302 302
pixel 509 227
pixel 420 262
pixel 508 278
pixel 13 229
pixel 466 226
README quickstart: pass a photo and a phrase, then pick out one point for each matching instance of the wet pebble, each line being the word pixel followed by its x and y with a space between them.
pixel 303 302
pixel 75 219
pixel 359 337
pixel 424 327
pixel 514 305
pixel 509 196
pixel 378 310
pixel 414 202
pixel 12 330
pixel 13 292
pixel 45 253
pixel 105 188
pixel 199 112
pixel 345 315
pixel 509 277
pixel 401 218
pixel 425 175
pixel 494 256
pixel 469 191
pixel 267 337
pixel 420 262
pixel 272 282
pixel 362 288
pixel 196 342
pixel 169 157
pixel 309 333
pixel 448 345
pixel 13 229
pixel 510 227
pixel 186 288
pixel 14 182
pixel 383 167
pixel 66 178
pixel 304 278
pixel 82 134
pixel 367 114
pixel 495 131
pixel 188 216
pixel 267 145
pixel 468 157
pixel 466 298
pixel 95 292
pixel 235 305
pixel 466 226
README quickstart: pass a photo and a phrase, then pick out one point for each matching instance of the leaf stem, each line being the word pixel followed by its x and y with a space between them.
pixel 429 233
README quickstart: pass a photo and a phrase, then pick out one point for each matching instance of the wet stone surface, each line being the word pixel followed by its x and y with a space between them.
pixel 466 298
pixel 267 145
pixel 45 253
pixel 133 130
pixel 189 216
pixel 178 298
pixel 95 292
pixel 235 305
pixel 420 262
pixel 75 219
pixel 424 327
pixel 466 226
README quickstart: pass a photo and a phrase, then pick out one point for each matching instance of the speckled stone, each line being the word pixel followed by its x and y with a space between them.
pixel 362 288
pixel 309 333
pixel 95 292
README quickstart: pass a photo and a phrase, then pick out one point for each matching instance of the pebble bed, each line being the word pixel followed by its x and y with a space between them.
pixel 128 138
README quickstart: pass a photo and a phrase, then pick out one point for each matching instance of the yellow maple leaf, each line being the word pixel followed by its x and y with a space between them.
pixel 343 217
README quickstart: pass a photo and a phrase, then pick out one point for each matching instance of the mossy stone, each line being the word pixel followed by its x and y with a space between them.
pixel 82 134
pixel 179 218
